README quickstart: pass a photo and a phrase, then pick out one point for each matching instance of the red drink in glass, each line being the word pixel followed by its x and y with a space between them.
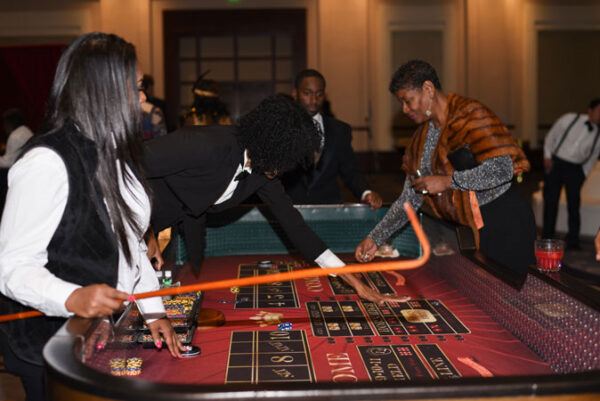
pixel 549 253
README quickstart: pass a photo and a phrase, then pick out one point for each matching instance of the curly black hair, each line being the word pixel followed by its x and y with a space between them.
pixel 412 74
pixel 279 136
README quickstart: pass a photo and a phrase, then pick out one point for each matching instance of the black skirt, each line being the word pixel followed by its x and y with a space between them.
pixel 509 232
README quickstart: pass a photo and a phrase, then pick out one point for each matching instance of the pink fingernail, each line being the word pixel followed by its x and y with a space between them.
pixel 158 344
pixel 131 298
pixel 100 346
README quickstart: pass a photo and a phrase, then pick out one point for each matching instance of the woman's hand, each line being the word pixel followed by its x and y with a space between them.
pixel 162 329
pixel 365 251
pixel 95 300
pixel 366 292
pixel 432 184
pixel 97 340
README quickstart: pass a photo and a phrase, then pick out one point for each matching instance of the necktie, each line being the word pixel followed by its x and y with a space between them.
pixel 243 174
pixel 590 127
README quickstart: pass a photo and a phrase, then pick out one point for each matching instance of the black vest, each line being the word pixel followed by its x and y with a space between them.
pixel 83 249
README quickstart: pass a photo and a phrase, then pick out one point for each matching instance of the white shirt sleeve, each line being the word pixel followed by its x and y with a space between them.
pixel 151 308
pixel 329 259
pixel 555 134
pixel 38 189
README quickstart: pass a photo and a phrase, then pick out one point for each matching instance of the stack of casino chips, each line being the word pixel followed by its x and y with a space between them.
pixel 134 366
pixel 117 366
pixel 178 307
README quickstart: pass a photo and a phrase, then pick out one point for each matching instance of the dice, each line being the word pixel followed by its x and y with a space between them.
pixel 284 326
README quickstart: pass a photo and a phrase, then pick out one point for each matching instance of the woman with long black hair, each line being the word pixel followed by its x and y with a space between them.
pixel 71 240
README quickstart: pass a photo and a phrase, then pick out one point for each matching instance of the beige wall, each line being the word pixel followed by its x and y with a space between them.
pixel 342 59
pixel 489 46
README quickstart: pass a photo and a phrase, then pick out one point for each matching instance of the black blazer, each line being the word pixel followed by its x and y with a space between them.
pixel 319 185
pixel 190 168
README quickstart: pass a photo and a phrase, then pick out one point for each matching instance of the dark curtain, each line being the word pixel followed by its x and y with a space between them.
pixel 26 74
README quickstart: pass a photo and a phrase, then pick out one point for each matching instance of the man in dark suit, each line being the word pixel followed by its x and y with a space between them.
pixel 335 157
pixel 206 169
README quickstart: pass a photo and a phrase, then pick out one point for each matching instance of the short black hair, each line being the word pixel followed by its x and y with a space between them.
pixel 12 119
pixel 307 74
pixel 147 81
pixel 594 103
pixel 412 74
pixel 279 135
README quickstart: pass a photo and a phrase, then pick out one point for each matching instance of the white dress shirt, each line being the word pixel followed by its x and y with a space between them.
pixel 577 146
pixel 37 197
pixel 228 193
pixel 15 142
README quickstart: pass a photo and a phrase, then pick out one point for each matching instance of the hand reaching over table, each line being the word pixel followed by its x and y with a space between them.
pixel 162 327
pixel 366 292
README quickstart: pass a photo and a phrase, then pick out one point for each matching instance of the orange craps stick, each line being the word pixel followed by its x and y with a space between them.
pixel 315 272
pixel 294 275
pixel 20 315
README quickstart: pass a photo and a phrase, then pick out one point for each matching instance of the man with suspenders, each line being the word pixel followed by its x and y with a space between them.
pixel 571 149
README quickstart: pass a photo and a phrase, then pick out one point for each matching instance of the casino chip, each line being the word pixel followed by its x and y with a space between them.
pixel 134 366
pixel 265 264
pixel 284 326
pixel 117 366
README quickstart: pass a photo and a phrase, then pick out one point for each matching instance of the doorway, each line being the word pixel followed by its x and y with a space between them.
pixel 251 54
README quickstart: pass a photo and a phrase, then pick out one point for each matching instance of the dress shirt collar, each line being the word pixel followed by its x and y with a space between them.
pixel 244 163
pixel 319 118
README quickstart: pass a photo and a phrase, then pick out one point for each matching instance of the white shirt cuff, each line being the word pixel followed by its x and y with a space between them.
pixel 328 260
pixel 151 308
pixel 62 290
pixel 364 194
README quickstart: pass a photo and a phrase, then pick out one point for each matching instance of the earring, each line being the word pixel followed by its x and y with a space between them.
pixel 428 111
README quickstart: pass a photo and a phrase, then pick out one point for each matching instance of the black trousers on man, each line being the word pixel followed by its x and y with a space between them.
pixel 571 176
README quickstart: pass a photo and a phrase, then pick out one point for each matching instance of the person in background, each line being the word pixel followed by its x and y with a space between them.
pixel 71 238
pixel 148 85
pixel 153 114
pixel 460 162
pixel 198 170
pixel 17 133
pixel 334 157
pixel 207 108
pixel 571 149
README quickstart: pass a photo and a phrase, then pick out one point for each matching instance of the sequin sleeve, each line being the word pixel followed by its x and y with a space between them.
pixel 396 217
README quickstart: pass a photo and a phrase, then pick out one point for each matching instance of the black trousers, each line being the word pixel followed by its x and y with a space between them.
pixel 570 176
pixel 508 234
pixel 32 376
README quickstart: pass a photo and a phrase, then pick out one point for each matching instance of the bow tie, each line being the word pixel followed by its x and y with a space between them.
pixel 243 174
pixel 590 126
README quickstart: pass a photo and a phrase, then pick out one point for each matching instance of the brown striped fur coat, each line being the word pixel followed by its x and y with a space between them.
pixel 468 123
